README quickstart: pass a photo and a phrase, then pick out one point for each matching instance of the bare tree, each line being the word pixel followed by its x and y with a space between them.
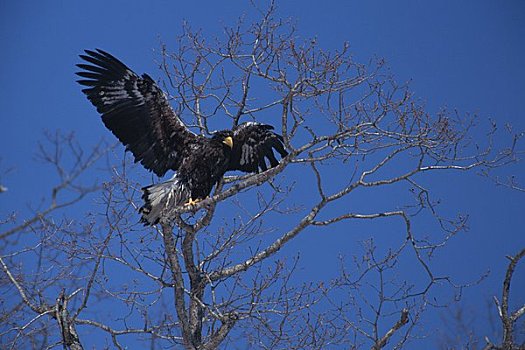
pixel 508 326
pixel 508 317
pixel 214 277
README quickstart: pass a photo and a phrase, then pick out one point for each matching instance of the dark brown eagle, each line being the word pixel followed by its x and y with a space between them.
pixel 137 111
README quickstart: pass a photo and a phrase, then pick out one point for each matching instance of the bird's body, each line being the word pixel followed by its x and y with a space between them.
pixel 209 160
pixel 136 110
pixel 195 178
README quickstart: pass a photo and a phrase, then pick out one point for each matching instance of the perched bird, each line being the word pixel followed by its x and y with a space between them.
pixel 137 111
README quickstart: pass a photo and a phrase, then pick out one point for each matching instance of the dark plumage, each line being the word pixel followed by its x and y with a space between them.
pixel 136 110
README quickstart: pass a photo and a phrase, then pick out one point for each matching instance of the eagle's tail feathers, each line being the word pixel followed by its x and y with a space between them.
pixel 160 198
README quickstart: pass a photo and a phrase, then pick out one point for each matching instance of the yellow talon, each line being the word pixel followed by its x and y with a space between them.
pixel 192 202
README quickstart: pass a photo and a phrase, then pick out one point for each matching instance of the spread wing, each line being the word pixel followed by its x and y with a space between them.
pixel 253 143
pixel 136 110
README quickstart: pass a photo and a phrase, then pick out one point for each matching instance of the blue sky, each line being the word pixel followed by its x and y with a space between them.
pixel 463 55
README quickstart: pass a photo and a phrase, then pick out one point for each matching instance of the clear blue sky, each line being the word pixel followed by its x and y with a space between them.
pixel 464 55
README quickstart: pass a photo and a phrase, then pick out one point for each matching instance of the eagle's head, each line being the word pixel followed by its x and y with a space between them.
pixel 224 136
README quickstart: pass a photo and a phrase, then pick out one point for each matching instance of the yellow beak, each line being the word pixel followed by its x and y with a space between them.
pixel 229 141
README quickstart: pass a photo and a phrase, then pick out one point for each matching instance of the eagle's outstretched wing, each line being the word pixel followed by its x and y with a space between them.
pixel 136 110
pixel 252 144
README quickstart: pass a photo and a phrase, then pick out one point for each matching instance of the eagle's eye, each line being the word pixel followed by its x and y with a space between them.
pixel 228 140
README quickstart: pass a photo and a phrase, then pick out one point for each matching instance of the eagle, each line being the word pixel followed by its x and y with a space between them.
pixel 136 110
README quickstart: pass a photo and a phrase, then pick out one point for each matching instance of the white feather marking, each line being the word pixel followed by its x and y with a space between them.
pixel 245 154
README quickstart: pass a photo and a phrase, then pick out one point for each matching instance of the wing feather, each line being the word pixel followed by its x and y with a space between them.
pixel 136 110
pixel 253 143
